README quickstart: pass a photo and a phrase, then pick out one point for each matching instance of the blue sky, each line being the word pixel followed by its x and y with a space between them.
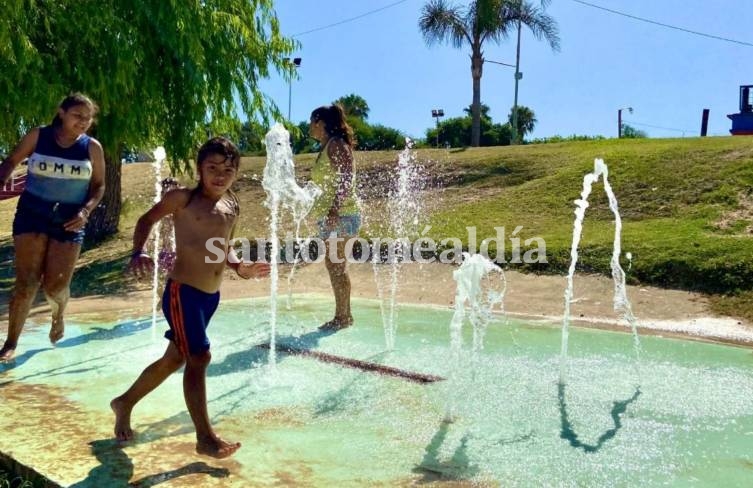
pixel 606 62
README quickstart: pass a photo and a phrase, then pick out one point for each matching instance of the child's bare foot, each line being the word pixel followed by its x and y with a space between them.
pixel 7 352
pixel 337 324
pixel 57 330
pixel 123 430
pixel 217 448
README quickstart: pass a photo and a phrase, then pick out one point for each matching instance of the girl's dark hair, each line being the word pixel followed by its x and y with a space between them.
pixel 335 123
pixel 74 100
pixel 223 147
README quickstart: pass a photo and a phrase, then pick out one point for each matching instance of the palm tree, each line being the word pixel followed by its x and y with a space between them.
pixel 480 21
pixel 526 121
pixel 483 110
pixel 354 106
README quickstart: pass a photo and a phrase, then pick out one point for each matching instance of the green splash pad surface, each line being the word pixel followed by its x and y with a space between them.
pixel 683 416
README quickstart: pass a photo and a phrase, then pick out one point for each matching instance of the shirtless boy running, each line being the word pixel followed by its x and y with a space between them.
pixel 191 293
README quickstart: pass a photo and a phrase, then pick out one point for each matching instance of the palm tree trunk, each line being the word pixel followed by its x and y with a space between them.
pixel 105 218
pixel 477 63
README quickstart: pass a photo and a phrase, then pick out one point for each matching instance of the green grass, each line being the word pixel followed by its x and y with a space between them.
pixel 685 206
pixel 8 480
pixel 672 195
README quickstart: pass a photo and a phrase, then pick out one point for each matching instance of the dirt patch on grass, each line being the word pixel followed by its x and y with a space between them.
pixel 739 220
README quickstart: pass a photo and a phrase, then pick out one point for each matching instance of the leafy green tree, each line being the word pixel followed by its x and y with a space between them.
pixel 250 140
pixel 630 132
pixel 526 121
pixel 496 135
pixel 301 141
pixel 375 137
pixel 354 106
pixel 456 132
pixel 478 22
pixel 161 72
pixel 453 131
pixel 382 138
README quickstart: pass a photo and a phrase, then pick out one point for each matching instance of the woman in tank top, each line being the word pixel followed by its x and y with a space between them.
pixel 65 182
pixel 336 210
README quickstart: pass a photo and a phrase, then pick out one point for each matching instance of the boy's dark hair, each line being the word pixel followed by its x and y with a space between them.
pixel 74 100
pixel 224 147
pixel 335 122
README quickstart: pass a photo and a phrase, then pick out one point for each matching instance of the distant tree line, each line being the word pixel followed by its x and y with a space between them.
pixel 453 132
pixel 458 131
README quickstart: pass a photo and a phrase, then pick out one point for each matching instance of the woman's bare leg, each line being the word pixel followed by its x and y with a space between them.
pixel 56 282
pixel 30 251
pixel 338 277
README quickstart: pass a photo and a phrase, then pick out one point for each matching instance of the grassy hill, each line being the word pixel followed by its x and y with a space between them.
pixel 686 206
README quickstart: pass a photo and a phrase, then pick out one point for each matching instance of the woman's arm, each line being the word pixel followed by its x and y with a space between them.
pixel 97 181
pixel 96 187
pixel 22 151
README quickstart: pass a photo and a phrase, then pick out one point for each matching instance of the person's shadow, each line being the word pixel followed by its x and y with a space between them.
pixel 116 469
pixel 458 467
pixel 122 329
pixel 569 434
pixel 258 353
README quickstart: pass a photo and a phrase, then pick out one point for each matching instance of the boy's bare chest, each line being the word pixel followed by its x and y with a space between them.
pixel 204 223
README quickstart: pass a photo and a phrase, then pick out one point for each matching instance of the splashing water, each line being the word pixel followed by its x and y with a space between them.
pixel 404 208
pixel 159 158
pixel 480 291
pixel 621 302
pixel 282 190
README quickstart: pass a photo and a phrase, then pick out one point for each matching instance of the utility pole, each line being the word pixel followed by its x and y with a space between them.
pixel 518 76
pixel 619 120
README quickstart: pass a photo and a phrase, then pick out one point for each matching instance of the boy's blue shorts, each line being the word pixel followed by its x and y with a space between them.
pixel 35 215
pixel 188 311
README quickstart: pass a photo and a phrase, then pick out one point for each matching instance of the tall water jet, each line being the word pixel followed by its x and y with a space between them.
pixel 621 302
pixel 403 210
pixel 479 292
pixel 159 158
pixel 282 191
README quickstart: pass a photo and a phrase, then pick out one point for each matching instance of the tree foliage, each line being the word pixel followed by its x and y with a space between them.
pixel 375 137
pixel 526 121
pixel 354 106
pixel 457 131
pixel 161 72
pixel 630 132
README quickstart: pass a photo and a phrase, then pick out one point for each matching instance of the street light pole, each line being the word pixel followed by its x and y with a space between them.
pixel 296 62
pixel 518 76
pixel 437 113
pixel 619 120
